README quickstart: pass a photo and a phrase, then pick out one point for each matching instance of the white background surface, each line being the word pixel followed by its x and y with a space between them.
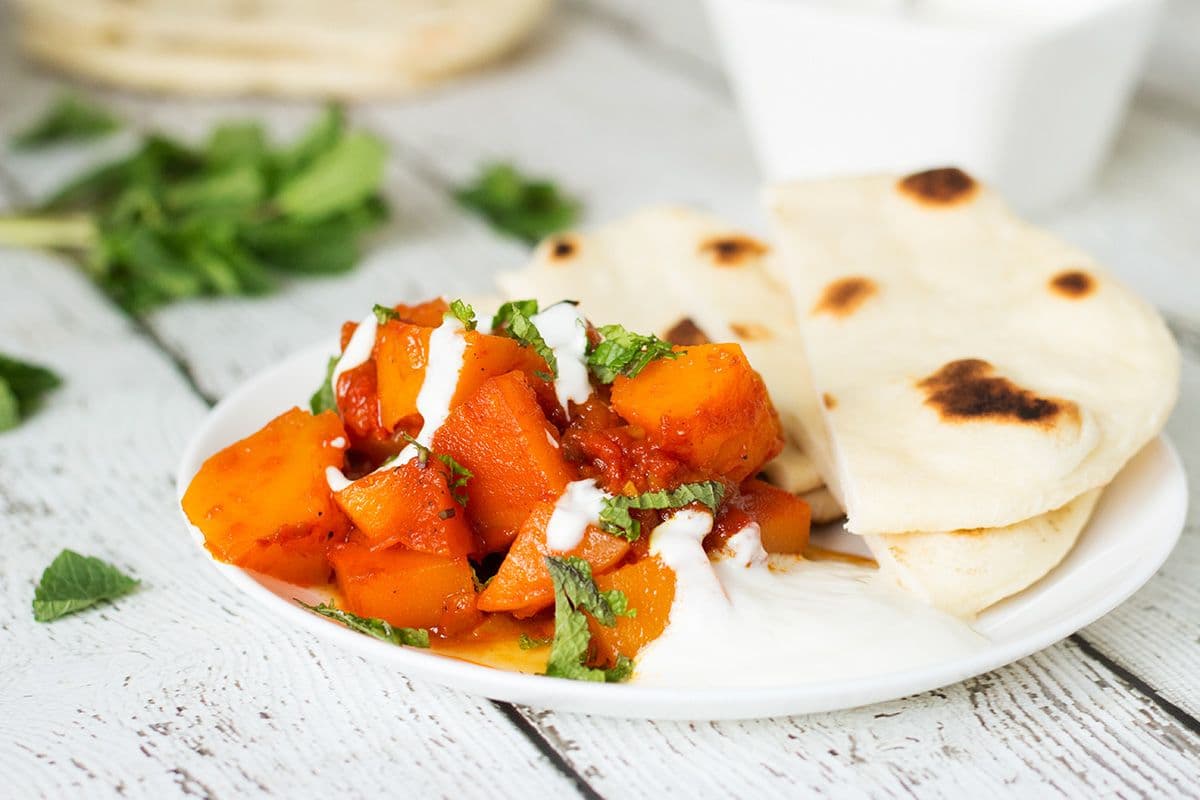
pixel 185 689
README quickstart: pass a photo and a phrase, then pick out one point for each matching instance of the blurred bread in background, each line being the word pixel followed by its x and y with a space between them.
pixel 344 49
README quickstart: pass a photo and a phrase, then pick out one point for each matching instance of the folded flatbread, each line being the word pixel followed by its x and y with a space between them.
pixel 691 278
pixel 973 371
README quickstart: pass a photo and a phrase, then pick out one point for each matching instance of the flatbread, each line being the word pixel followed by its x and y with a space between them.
pixel 965 572
pixel 973 371
pixel 348 49
pixel 823 506
pixel 688 286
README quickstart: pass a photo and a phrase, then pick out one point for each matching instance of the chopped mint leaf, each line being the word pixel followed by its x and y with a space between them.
pixel 621 352
pixel 574 593
pixel 527 642
pixel 384 315
pixel 73 582
pixel 513 320
pixel 616 519
pixel 70 119
pixel 324 399
pixel 464 313
pixel 372 626
pixel 458 474
pixel 22 387
pixel 516 205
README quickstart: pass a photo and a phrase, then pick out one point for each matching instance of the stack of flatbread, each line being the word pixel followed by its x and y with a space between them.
pixel 349 48
pixel 962 384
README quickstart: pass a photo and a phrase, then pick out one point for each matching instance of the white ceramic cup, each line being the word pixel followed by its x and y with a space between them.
pixel 1026 94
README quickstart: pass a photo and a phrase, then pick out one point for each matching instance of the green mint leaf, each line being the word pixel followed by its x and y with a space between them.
pixel 70 119
pixel 621 352
pixel 464 313
pixel 10 409
pixel 513 320
pixel 458 474
pixel 518 206
pixel 575 593
pixel 384 315
pixel 343 176
pixel 22 387
pixel 371 626
pixel 616 519
pixel 527 642
pixel 505 313
pixel 73 582
pixel 324 399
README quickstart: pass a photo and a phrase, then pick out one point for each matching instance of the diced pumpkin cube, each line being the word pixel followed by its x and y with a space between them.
pixel 783 518
pixel 502 436
pixel 269 487
pixel 649 585
pixel 402 355
pixel 406 588
pixel 707 408
pixel 410 505
pixel 522 584
pixel 302 561
pixel 429 314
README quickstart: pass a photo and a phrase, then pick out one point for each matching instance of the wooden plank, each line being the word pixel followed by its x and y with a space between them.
pixel 1055 724
pixel 182 687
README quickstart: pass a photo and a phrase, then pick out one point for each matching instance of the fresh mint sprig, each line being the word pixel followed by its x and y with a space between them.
pixel 621 352
pixel 70 119
pixel 371 626
pixel 524 208
pixel 616 519
pixel 513 319
pixel 575 592
pixel 74 582
pixel 228 217
pixel 22 387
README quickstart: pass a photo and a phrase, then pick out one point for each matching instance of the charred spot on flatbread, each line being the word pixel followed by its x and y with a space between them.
pixel 563 248
pixel 751 331
pixel 732 250
pixel 844 296
pixel 686 332
pixel 1073 284
pixel 945 186
pixel 829 401
pixel 967 390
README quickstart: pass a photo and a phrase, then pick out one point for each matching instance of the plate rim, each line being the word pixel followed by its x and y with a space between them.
pixel 658 702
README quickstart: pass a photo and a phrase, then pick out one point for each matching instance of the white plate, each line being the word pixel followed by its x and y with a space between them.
pixel 1131 534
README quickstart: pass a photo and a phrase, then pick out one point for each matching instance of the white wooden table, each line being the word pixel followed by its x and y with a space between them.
pixel 184 688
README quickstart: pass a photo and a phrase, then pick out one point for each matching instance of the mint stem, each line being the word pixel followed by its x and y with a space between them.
pixel 70 232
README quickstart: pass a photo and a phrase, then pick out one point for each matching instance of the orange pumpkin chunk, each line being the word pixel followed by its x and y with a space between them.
pixel 269 487
pixel 502 436
pixel 406 588
pixel 410 505
pixel 522 584
pixel 649 585
pixel 402 355
pixel 708 408
pixel 783 518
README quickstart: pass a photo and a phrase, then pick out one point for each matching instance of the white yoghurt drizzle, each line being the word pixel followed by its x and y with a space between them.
pixel 564 329
pixel 358 349
pixel 756 620
pixel 447 347
pixel 578 507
